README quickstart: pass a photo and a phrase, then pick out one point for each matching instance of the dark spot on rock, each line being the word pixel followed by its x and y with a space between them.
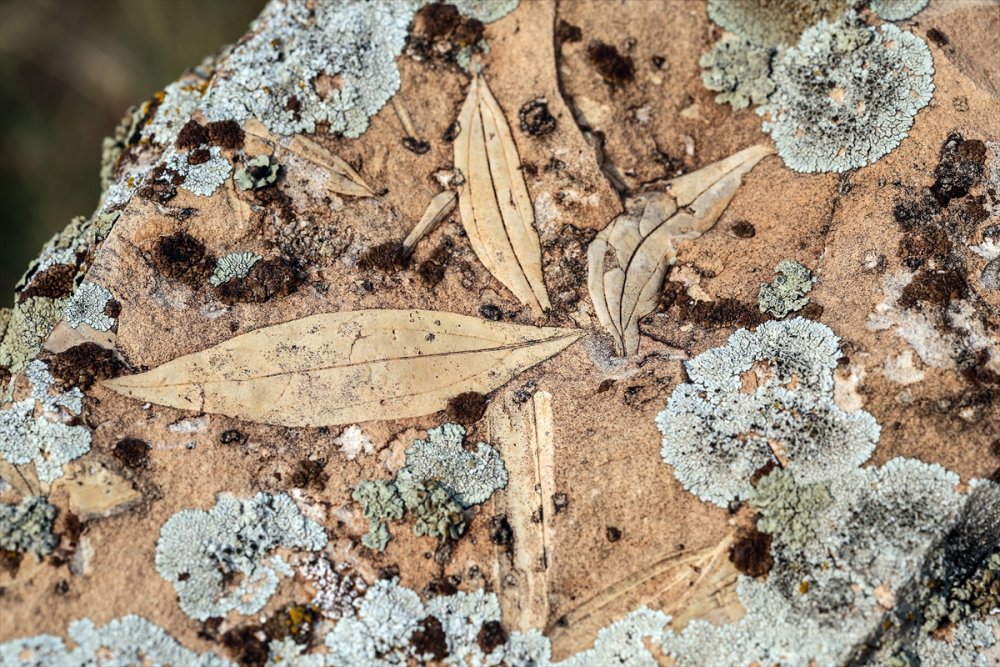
pixel 390 571
pixel 10 562
pixel 529 168
pixel 192 135
pixel 160 185
pixel 226 134
pixel 55 282
pixel 268 279
pixel 995 448
pixel 939 287
pixel 812 311
pixel 294 104
pixel 310 474
pixel 500 531
pixel 613 67
pixel 938 37
pixel 567 32
pixel 467 408
pixel 82 365
pixel 491 636
pixel 762 472
pixel 562 622
pixel 536 120
pixel 113 308
pixel 245 646
pixel 429 638
pixel 605 385
pixel 560 501
pixel 743 230
pixel 132 452
pixel 276 198
pixel 491 312
pixel 387 256
pixel 555 164
pixel 451 132
pixel 61 587
pixel 233 437
pixel 199 156
pixel 417 146
pixel 209 630
pixel 960 168
pixel 441 586
pixel 715 314
pixel 182 257
pixel 751 553
pixel 440 32
pixel 613 534
pixel 658 61
pixel 432 270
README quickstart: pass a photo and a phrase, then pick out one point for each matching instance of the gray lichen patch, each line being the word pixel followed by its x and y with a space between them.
pixel 27 526
pixel 130 640
pixel 788 292
pixel 470 477
pixel 199 550
pixel 788 510
pixel 898 10
pixel 716 435
pixel 847 94
pixel 740 71
pixel 258 173
pixel 30 322
pixel 234 265
pixel 180 100
pixel 89 305
pixel 773 22
pixel 203 178
pixel 380 502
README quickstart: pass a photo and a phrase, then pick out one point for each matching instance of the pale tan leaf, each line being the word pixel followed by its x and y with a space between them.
pixel 343 179
pixel 440 207
pixel 95 491
pixel 348 367
pixel 629 258
pixel 496 209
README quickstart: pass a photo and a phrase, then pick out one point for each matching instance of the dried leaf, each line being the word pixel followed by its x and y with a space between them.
pixel 343 179
pixel 629 258
pixel 496 210
pixel 348 367
pixel 441 205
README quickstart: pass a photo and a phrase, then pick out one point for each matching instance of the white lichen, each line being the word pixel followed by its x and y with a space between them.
pixel 353 441
pixel 716 435
pixel 234 265
pixel 847 94
pixel 470 477
pixel 49 444
pixel 180 100
pixel 772 22
pixel 201 179
pixel 898 10
pixel 130 640
pixel 198 549
pixel 88 306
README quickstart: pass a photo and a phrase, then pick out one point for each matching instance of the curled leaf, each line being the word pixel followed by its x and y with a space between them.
pixel 347 367
pixel 441 205
pixel 629 258
pixel 497 213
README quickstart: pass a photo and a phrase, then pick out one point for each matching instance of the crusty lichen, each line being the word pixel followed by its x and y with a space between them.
pixel 773 22
pixel 739 70
pixel 380 501
pixel 130 640
pixel 202 179
pixel 788 510
pixel 847 94
pixel 898 10
pixel 259 172
pixel 198 550
pixel 180 100
pixel 438 513
pixel 716 435
pixel 27 526
pixel 234 265
pixel 30 322
pixel 88 306
pixel 788 291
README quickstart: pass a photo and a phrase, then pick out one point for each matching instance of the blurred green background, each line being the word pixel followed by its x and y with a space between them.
pixel 68 71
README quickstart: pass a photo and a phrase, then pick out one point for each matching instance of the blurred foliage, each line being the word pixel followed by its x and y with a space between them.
pixel 68 71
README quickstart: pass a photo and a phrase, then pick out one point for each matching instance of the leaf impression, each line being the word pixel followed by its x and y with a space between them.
pixel 343 179
pixel 347 367
pixel 496 210
pixel 629 258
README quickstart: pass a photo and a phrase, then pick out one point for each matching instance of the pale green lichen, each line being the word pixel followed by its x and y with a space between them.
pixel 438 513
pixel 788 292
pixel 234 265
pixel 198 549
pixel 847 94
pixel 380 502
pixel 87 306
pixel 31 321
pixel 716 436
pixel 739 71
pixel 773 22
pixel 27 526
pixel 898 10
pixel 130 640
pixel 470 477
pixel 258 173
pixel 787 509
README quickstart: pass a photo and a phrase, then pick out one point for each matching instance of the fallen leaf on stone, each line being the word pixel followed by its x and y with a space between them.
pixel 94 491
pixel 629 258
pixel 343 180
pixel 441 205
pixel 497 213
pixel 348 367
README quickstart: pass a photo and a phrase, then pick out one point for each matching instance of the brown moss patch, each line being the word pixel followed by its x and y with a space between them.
pixel 751 553
pixel 182 257
pixel 429 638
pixel 467 408
pixel 491 636
pixel 192 135
pixel 245 647
pixel 614 68
pixel 309 474
pixel 440 32
pixel 132 452
pixel 267 279
pixel 55 282
pixel 387 256
pixel 83 365
pixel 226 134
